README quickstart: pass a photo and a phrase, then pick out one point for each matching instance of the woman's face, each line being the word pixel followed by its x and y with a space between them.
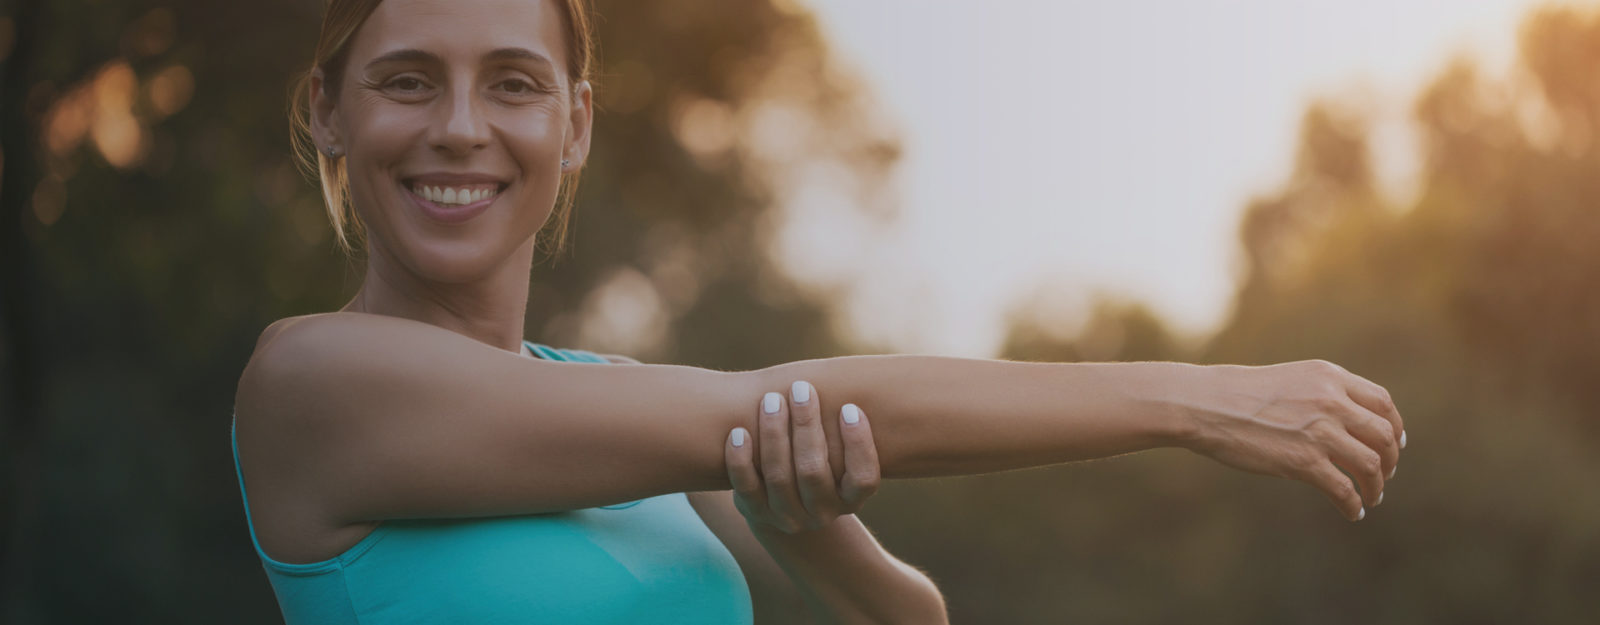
pixel 454 117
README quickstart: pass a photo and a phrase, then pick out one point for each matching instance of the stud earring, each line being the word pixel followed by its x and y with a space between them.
pixel 566 163
pixel 333 152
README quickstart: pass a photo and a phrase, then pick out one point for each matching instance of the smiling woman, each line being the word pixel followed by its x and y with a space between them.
pixel 403 76
pixel 412 458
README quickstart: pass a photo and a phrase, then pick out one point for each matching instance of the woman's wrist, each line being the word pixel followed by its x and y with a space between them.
pixel 1172 393
pixel 1193 400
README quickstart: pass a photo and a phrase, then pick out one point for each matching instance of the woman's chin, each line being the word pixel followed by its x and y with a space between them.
pixel 456 261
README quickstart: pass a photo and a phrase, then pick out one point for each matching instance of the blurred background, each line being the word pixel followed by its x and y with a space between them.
pixel 1408 189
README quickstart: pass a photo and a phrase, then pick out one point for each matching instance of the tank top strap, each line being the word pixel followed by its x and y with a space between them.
pixel 558 354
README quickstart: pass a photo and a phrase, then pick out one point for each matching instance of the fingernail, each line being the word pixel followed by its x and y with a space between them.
pixel 738 437
pixel 769 403
pixel 851 413
pixel 1363 514
pixel 1391 471
pixel 801 391
pixel 1379 501
pixel 1402 439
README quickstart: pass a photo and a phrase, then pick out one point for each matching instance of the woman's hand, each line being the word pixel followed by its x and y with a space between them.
pixel 794 490
pixel 1301 420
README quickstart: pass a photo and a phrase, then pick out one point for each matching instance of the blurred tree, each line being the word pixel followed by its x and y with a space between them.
pixel 1475 304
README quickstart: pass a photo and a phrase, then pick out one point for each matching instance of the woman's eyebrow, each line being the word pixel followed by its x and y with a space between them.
pixel 408 55
pixel 519 54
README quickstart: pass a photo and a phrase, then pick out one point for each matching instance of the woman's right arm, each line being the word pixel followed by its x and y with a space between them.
pixel 935 416
pixel 379 418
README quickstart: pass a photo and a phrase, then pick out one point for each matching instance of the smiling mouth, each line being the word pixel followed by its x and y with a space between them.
pixel 456 195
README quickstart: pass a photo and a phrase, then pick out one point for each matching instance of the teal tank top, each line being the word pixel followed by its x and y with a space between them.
pixel 647 561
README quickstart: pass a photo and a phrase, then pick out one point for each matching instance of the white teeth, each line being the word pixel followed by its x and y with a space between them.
pixel 451 195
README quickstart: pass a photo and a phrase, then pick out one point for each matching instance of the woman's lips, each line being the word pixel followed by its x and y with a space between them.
pixel 448 213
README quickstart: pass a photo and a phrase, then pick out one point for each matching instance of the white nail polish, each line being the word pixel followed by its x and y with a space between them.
pixel 738 437
pixel 1379 501
pixel 1363 514
pixel 801 391
pixel 769 403
pixel 1402 439
pixel 852 414
pixel 1391 471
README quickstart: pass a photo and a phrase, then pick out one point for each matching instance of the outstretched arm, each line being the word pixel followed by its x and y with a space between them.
pixel 376 417
pixel 938 416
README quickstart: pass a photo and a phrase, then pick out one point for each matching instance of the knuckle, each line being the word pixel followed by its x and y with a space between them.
pixel 1344 490
pixel 815 482
pixel 1303 465
pixel 866 488
pixel 1325 367
pixel 779 479
pixel 1385 401
pixel 1372 464
pixel 1327 404
pixel 1310 459
pixel 810 467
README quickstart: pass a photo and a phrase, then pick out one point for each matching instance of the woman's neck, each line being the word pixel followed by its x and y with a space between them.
pixel 490 310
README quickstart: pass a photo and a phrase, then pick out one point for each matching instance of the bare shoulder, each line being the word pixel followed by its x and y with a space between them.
pixel 295 365
pixel 300 357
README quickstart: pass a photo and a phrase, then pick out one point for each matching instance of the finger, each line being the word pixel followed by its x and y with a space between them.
pixel 777 468
pixel 812 473
pixel 861 470
pixel 1339 490
pixel 1360 461
pixel 1376 398
pixel 1374 432
pixel 742 474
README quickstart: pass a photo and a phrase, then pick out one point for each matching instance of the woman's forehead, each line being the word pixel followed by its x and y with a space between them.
pixel 456 28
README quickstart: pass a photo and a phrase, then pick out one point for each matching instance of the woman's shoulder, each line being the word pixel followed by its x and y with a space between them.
pixel 295 356
pixel 335 321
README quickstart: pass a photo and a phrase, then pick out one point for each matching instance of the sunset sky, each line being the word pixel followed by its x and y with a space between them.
pixel 1085 147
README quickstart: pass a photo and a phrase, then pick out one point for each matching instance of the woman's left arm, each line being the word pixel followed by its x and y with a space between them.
pixel 809 527
pixel 846 577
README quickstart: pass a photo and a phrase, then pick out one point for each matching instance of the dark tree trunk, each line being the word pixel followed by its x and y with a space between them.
pixel 21 359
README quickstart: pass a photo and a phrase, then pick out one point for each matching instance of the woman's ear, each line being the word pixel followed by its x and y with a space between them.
pixel 580 123
pixel 324 125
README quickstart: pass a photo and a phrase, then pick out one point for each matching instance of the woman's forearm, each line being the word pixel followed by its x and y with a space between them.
pixel 937 416
pixel 845 576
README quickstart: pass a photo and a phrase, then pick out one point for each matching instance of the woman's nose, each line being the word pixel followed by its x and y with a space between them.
pixel 462 127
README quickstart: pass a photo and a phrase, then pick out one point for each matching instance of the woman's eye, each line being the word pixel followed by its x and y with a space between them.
pixel 406 84
pixel 518 87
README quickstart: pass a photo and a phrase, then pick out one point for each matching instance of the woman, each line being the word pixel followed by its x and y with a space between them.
pixel 411 458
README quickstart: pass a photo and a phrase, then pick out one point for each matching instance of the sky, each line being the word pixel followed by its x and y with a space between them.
pixel 1066 149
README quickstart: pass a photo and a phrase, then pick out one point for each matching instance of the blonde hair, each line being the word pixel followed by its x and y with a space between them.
pixel 339 24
